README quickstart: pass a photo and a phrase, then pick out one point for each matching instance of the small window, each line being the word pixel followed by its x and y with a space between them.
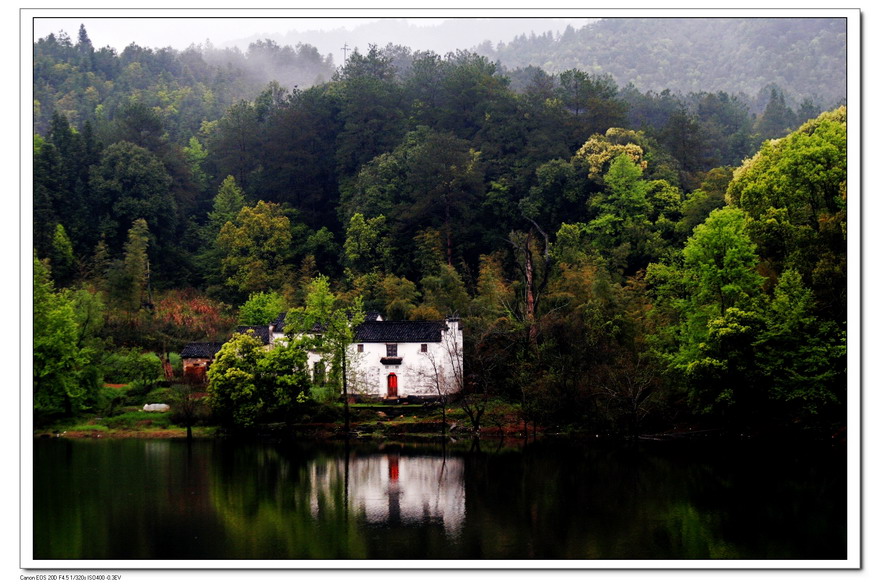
pixel 424 347
pixel 390 350
pixel 360 348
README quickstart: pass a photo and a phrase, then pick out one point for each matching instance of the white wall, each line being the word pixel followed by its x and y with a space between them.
pixel 435 372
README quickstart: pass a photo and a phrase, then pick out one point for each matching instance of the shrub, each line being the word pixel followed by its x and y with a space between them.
pixel 110 400
pixel 324 395
pixel 133 366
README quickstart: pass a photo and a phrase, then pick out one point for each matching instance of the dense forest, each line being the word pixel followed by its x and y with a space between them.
pixel 621 260
pixel 738 56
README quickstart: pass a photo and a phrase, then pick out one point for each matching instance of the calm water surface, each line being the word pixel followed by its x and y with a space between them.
pixel 164 499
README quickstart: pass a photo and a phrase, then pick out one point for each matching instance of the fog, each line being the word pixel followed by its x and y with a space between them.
pixel 328 35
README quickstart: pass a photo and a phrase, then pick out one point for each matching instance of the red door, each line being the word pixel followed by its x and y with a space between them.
pixel 392 386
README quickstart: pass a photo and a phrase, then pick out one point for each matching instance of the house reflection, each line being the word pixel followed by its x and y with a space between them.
pixel 395 490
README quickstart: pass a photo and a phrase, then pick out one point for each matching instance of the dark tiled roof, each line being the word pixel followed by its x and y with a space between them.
pixel 278 323
pixel 405 331
pixel 200 350
pixel 261 332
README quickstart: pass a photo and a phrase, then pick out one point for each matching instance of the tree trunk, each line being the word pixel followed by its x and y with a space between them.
pixel 345 393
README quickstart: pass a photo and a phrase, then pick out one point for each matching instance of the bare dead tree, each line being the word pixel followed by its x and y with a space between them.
pixel 630 384
pixel 446 382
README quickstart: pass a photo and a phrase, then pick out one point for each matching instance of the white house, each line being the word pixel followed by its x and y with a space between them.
pixel 417 359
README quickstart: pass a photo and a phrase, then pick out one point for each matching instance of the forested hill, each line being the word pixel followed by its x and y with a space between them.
pixel 806 57
pixel 614 255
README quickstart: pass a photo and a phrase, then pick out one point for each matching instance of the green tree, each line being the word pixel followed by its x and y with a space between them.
pixel 366 245
pixel 600 151
pixel 714 298
pixel 621 230
pixel 131 183
pixel 261 308
pixel 722 260
pixel 62 259
pixel 794 189
pixel 445 292
pixel 801 356
pixel 136 366
pixel 228 202
pixel 64 381
pixel 370 107
pixel 777 119
pixel 232 382
pixel 399 296
pixel 327 326
pixel 129 278
pixel 284 381
pixel 256 248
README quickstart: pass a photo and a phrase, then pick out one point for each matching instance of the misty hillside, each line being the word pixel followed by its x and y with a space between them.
pixel 805 56
pixel 445 37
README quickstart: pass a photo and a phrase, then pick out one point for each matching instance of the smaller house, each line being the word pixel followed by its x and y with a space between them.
pixel 197 357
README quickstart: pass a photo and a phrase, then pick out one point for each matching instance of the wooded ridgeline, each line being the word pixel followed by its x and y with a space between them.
pixel 621 260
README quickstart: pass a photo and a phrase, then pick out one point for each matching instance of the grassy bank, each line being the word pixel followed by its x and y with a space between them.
pixel 132 422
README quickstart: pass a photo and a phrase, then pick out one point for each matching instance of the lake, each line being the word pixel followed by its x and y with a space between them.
pixel 135 499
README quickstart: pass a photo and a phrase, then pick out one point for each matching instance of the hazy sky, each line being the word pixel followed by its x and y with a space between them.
pixel 182 32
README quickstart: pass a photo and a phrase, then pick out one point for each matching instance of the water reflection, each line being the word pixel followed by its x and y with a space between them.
pixel 135 499
pixel 394 490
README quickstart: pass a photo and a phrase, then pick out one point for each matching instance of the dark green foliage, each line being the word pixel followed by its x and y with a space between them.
pixel 130 183
pixel 579 228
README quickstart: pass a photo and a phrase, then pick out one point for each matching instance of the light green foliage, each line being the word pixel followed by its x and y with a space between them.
pixel 62 260
pixel 794 189
pixel 335 322
pixel 228 203
pixel 804 172
pixel 283 373
pixel 720 258
pixel 234 399
pixel 713 299
pixel 261 308
pixel 399 297
pixel 133 366
pixel 366 244
pixel 746 355
pixel 128 278
pixel 445 292
pixel 256 248
pixel 697 205
pixel 572 244
pixel 64 380
pixel 621 230
pixel 664 200
pixel 249 384
pixel 495 297
pixel 196 155
pixel 601 150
